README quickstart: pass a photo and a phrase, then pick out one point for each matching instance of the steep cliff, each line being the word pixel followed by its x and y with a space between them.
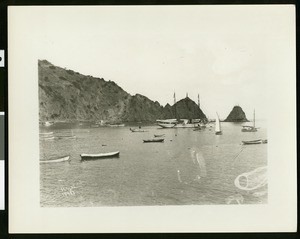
pixel 236 115
pixel 66 95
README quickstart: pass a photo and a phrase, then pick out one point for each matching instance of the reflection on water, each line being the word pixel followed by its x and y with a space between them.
pixel 189 168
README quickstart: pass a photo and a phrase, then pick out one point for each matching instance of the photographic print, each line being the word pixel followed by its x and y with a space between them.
pixel 153 109
pixel 167 118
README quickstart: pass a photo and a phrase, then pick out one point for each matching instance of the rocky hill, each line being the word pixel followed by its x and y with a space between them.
pixel 236 115
pixel 66 95
pixel 184 109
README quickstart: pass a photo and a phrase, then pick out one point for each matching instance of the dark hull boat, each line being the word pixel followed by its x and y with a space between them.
pixel 153 140
pixel 248 129
pixel 100 156
pixel 137 130
pixel 159 135
pixel 66 137
pixel 258 141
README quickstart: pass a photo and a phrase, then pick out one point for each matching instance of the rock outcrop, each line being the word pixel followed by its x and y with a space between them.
pixel 236 115
pixel 66 95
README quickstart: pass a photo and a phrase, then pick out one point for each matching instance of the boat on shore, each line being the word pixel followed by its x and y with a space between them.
pixel 56 160
pixel 153 140
pixel 218 130
pixel 159 135
pixel 100 155
pixel 248 128
pixel 257 141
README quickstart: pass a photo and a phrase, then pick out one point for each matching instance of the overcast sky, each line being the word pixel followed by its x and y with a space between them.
pixel 227 54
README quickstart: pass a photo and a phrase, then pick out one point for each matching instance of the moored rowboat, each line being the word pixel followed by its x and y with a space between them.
pixel 46 133
pixel 48 138
pixel 257 141
pixel 153 140
pixel 159 135
pixel 66 137
pixel 99 156
pixel 137 130
pixel 56 160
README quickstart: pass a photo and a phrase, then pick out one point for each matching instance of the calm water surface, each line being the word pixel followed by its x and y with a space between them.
pixel 166 173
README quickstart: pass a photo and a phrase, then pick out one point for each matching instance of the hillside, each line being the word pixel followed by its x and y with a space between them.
pixel 66 95
pixel 236 115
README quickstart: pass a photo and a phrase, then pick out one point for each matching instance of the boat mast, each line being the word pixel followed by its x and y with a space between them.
pixel 254 119
pixel 198 101
pixel 175 106
pixel 219 122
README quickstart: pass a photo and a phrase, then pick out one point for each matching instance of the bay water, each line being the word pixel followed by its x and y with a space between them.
pixel 188 168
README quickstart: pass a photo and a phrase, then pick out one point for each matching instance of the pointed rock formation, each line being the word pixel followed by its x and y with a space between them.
pixel 236 115
pixel 187 109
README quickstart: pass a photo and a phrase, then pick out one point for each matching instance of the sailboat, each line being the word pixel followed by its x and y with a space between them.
pixel 218 130
pixel 248 128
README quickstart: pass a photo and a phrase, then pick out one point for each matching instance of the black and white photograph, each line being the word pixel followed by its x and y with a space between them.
pixel 165 112
pixel 153 107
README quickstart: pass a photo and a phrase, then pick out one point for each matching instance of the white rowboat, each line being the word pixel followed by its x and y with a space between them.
pixel 56 160
pixel 99 156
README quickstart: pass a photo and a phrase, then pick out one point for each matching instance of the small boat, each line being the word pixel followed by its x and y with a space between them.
pixel 248 128
pixel 137 130
pixel 50 138
pixel 153 140
pixel 66 137
pixel 257 141
pixel 46 133
pixel 218 130
pixel 99 156
pixel 159 135
pixel 56 160
pixel 197 129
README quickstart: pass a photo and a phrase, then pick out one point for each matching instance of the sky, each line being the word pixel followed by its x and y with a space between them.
pixel 228 55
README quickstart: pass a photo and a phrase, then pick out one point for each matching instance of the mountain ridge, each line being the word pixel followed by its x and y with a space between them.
pixel 67 95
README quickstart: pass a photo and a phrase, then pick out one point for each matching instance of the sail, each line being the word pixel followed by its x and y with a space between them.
pixel 218 125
